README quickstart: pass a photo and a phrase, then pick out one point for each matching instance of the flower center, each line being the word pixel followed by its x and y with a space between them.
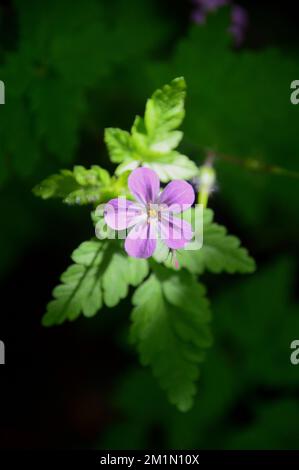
pixel 152 213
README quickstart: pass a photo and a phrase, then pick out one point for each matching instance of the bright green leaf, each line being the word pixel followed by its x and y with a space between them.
pixel 181 167
pixel 219 252
pixel 154 138
pixel 119 144
pixel 98 276
pixel 56 186
pixel 82 186
pixel 171 328
pixel 165 112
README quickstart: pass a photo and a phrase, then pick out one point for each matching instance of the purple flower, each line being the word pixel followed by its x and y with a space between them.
pixel 203 7
pixel 239 16
pixel 152 215
pixel 239 24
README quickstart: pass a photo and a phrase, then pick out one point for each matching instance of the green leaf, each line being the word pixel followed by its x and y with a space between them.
pixel 219 252
pixel 119 144
pixel 181 167
pixel 45 108
pixel 82 186
pixel 153 139
pixel 94 184
pixel 96 175
pixel 171 329
pixel 165 112
pixel 99 276
pixel 225 120
pixel 53 51
pixel 56 186
pixel 137 270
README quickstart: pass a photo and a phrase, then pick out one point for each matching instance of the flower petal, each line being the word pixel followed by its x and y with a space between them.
pixel 120 213
pixel 141 241
pixel 144 184
pixel 175 232
pixel 178 196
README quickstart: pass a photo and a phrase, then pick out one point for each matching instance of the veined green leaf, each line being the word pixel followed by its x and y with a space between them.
pixel 171 329
pixel 82 186
pixel 219 252
pixel 165 112
pixel 119 144
pixel 153 138
pixel 101 274
pixel 56 186
pixel 181 167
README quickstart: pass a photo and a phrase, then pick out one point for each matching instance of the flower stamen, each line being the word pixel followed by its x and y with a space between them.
pixel 152 213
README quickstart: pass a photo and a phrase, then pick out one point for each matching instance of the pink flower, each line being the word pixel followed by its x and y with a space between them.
pixel 239 24
pixel 152 215
pixel 239 16
pixel 203 7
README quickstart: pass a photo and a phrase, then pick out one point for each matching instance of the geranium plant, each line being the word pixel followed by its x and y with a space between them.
pixel 145 238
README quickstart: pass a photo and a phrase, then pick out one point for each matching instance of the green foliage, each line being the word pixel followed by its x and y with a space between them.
pixel 219 251
pixel 82 186
pixel 58 61
pixel 170 319
pixel 119 144
pixel 45 107
pixel 165 112
pixel 60 52
pixel 153 139
pixel 264 351
pixel 239 106
pixel 57 186
pixel 178 167
pixel 171 328
pixel 101 275
pixel 275 428
pixel 247 373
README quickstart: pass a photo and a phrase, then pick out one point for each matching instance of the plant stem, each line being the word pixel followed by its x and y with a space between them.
pixel 203 197
pixel 258 166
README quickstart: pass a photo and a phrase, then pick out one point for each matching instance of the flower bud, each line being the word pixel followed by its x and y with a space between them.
pixel 207 178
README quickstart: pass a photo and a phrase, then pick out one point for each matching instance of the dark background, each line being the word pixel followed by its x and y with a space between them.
pixel 80 385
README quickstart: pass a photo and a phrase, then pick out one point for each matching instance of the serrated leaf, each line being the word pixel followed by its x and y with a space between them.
pixel 115 281
pixel 56 186
pixel 136 271
pixel 128 165
pixel 119 144
pixel 219 252
pixel 88 253
pixel 81 186
pixel 180 168
pixel 171 330
pixel 93 176
pixel 153 138
pixel 165 112
pixel 79 292
pixel 54 53
pixel 227 123
pixel 98 276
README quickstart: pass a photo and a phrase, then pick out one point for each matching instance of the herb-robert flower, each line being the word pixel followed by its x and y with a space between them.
pixel 151 215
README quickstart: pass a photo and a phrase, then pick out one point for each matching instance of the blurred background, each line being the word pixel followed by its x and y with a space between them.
pixel 70 70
